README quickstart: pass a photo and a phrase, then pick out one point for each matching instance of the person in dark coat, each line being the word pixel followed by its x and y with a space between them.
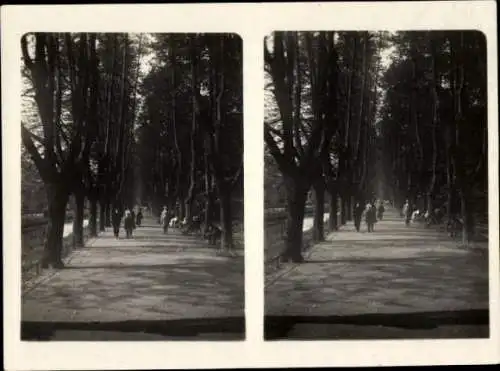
pixel 132 214
pixel 128 222
pixel 139 217
pixel 116 219
pixel 358 213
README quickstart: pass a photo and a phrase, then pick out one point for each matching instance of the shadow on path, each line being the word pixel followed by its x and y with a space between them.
pixel 152 286
pixel 393 260
pixel 174 328
pixel 279 327
pixel 205 268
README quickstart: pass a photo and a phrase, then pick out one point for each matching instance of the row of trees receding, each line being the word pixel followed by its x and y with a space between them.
pixel 83 89
pixel 434 124
pixel 320 122
pixel 90 111
pixel 191 129
pixel 341 119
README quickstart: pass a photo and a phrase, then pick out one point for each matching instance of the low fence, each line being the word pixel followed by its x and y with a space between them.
pixel 33 232
pixel 275 232
pixel 278 213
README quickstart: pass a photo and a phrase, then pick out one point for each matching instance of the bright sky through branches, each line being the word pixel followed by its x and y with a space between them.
pixel 386 58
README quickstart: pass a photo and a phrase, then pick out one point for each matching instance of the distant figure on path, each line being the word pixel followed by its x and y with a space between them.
pixel 370 216
pixel 164 219
pixel 358 213
pixel 174 222
pixel 407 212
pixel 404 209
pixel 132 214
pixel 380 211
pixel 438 214
pixel 128 223
pixel 139 217
pixel 116 219
pixel 415 215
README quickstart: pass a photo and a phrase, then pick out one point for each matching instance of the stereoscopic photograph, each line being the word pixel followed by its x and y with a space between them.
pixel 376 185
pixel 207 186
pixel 132 187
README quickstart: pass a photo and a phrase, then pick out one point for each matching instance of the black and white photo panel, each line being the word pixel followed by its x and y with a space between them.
pixel 132 186
pixel 376 185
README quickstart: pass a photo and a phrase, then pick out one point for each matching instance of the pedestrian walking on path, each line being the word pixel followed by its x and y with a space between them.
pixel 128 223
pixel 116 220
pixel 132 214
pixel 407 212
pixel 380 211
pixel 164 219
pixel 358 213
pixel 139 217
pixel 370 216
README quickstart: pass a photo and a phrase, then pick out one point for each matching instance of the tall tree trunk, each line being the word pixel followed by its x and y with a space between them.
pixel 188 209
pixel 413 112
pixel 429 201
pixel 79 197
pixel 432 183
pixel 57 197
pixel 349 207
pixel 173 115
pixel 226 218
pixel 345 183
pixel 434 123
pixel 209 204
pixel 171 204
pixel 319 211
pixel 364 80
pixel 93 217
pixel 102 215
pixel 192 139
pixel 157 204
pixel 347 128
pixel 463 190
pixel 409 189
pixel 296 193
pixel 463 185
pixel 332 221
pixel 343 209
pixel 107 214
pixel 208 190
pixel 450 199
pixel 182 211
pixel 467 216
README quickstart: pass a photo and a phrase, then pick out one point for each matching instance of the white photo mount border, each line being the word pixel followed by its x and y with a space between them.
pixel 252 22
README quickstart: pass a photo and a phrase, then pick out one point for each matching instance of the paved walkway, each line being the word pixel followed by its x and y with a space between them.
pixel 173 285
pixel 375 285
